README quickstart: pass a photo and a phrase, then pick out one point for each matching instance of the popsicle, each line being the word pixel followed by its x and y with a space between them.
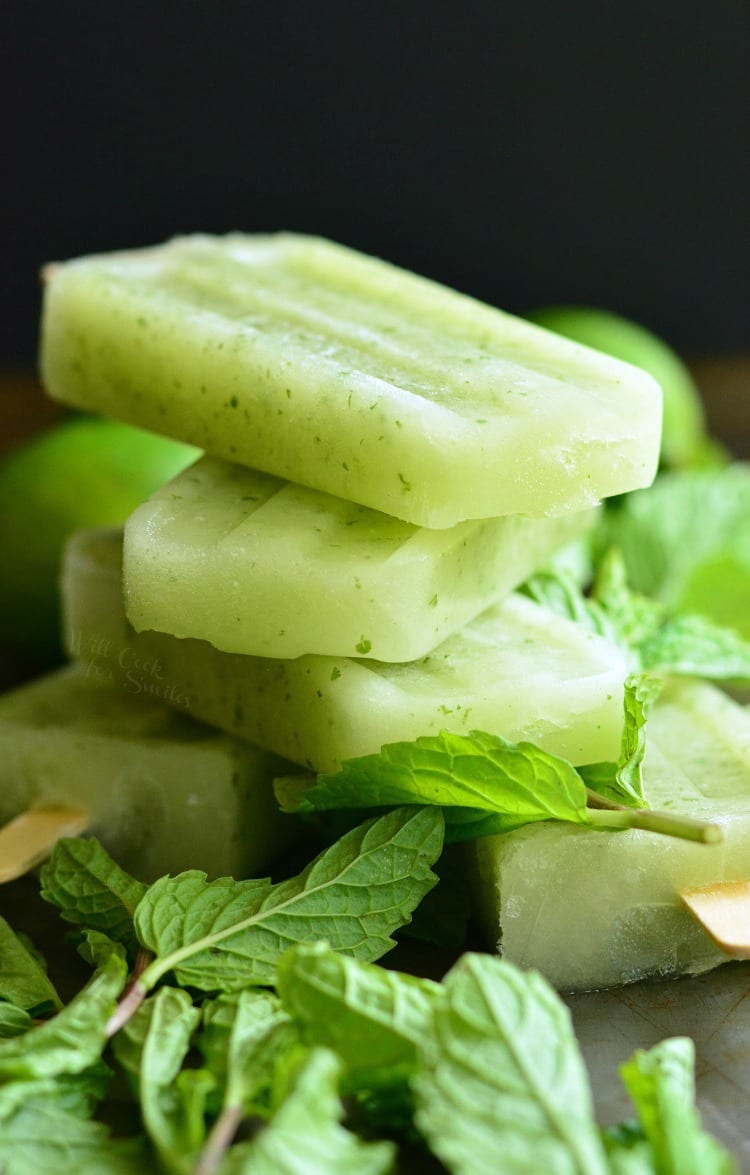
pixel 312 362
pixel 517 670
pixel 162 792
pixel 297 571
pixel 592 909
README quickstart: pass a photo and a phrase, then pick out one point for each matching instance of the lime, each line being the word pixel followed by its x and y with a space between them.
pixel 684 440
pixel 83 472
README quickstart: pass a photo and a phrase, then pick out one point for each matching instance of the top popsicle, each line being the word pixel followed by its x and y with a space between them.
pixel 310 361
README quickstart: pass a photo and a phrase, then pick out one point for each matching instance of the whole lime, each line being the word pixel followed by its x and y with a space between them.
pixel 83 472
pixel 684 440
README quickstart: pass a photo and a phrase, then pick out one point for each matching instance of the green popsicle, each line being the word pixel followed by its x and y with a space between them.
pixel 337 371
pixel 165 793
pixel 592 909
pixel 255 565
pixel 517 670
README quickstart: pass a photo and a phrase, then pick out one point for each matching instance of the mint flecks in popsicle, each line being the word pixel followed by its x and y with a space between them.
pixel 164 793
pixel 261 566
pixel 517 670
pixel 340 372
pixel 619 915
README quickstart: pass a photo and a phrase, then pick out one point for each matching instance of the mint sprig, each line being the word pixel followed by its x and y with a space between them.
pixel 224 935
pixel 472 776
pixel 487 785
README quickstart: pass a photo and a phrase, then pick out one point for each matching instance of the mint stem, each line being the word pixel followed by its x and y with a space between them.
pixel 604 813
pixel 126 1009
pixel 219 1140
pixel 130 1003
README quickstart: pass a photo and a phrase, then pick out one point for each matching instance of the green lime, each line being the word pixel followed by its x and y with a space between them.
pixel 83 472
pixel 684 440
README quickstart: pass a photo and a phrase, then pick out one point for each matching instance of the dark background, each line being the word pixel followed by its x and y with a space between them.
pixel 525 152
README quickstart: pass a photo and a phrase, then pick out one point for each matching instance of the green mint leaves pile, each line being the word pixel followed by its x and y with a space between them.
pixel 303 1057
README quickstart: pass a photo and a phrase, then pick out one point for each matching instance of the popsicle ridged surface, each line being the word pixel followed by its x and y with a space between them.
pixel 307 360
pixel 261 566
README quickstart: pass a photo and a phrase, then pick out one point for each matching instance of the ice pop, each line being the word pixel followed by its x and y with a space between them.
pixel 592 909
pixel 256 565
pixel 337 371
pixel 164 793
pixel 517 670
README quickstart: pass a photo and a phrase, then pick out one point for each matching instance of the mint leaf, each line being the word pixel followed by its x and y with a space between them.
pixel 13 1021
pixel 23 980
pixel 305 1135
pixel 91 890
pixel 41 1136
pixel 247 1042
pixel 95 948
pixel 240 1040
pixel 76 1094
pixel 559 592
pixel 502 1082
pixel 686 542
pixel 223 935
pixel 486 783
pixel 372 1018
pixel 622 782
pixel 639 696
pixel 633 618
pixel 655 638
pixel 503 785
pixel 75 1038
pixel 662 1087
pixel 693 646
pixel 151 1048
pixel 685 644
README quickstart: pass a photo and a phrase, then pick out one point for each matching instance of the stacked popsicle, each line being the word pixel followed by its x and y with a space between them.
pixel 387 461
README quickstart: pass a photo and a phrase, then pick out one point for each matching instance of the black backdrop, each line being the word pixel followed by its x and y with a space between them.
pixel 527 152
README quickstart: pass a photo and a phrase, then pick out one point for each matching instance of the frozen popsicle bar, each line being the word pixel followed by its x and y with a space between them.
pixel 297 571
pixel 517 670
pixel 334 370
pixel 592 909
pixel 165 793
